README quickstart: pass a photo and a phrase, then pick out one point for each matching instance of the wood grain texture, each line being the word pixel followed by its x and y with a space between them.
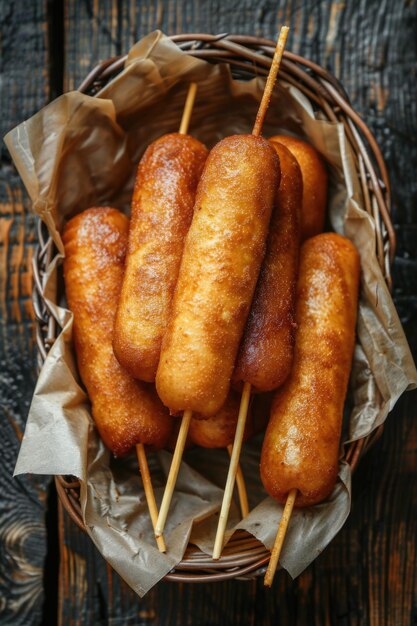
pixel 23 500
pixel 23 62
pixel 91 35
pixel 23 542
pixel 368 575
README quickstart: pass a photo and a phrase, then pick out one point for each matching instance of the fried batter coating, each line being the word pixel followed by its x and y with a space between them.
pixel 125 411
pixel 161 214
pixel 223 253
pixel 314 184
pixel 301 445
pixel 266 352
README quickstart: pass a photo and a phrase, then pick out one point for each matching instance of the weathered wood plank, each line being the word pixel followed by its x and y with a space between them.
pixel 23 500
pixel 23 62
pixel 23 541
pixel 91 35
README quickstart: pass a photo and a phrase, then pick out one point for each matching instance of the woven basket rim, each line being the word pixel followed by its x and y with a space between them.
pixel 244 556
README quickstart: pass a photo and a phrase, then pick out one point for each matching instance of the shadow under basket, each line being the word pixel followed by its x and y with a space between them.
pixel 244 557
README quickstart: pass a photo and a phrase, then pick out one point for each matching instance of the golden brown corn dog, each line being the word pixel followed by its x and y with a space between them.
pixel 126 412
pixel 222 257
pixel 301 445
pixel 266 352
pixel 314 184
pixel 161 214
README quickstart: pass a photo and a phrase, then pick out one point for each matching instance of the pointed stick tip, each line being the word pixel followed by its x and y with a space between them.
pixel 280 537
pixel 149 492
pixel 270 81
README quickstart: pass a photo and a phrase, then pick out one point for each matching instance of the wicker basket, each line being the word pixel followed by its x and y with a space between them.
pixel 244 556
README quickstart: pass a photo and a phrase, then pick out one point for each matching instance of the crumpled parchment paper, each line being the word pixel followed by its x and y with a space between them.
pixel 81 151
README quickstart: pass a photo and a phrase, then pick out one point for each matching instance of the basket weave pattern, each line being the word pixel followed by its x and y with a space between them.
pixel 244 556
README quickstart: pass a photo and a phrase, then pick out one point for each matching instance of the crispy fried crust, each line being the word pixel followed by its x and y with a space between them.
pixel 314 184
pixel 162 210
pixel 125 411
pixel 266 352
pixel 301 445
pixel 219 430
pixel 219 269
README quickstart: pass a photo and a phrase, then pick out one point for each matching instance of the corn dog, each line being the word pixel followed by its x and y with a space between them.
pixel 301 445
pixel 266 352
pixel 314 184
pixel 222 257
pixel 125 411
pixel 161 213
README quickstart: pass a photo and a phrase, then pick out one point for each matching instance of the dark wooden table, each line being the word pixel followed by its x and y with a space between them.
pixel 368 575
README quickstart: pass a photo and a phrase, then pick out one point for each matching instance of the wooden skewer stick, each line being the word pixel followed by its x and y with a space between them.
pixel 241 487
pixel 233 468
pixel 149 493
pixel 272 76
pixel 279 539
pixel 173 473
pixel 231 476
pixel 188 109
pixel 244 405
